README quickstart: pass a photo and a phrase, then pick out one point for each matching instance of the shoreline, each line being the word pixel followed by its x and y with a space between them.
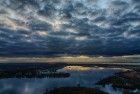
pixel 38 65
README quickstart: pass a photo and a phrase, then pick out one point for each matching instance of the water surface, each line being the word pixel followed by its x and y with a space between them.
pixel 79 75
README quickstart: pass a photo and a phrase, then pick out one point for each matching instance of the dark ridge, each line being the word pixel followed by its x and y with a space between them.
pixel 75 90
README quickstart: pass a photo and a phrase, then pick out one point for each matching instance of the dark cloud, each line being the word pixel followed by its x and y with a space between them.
pixel 47 27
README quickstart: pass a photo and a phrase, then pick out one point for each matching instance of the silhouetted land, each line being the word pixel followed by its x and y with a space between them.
pixel 34 70
pixel 31 74
pixel 37 65
pixel 75 90
pixel 125 80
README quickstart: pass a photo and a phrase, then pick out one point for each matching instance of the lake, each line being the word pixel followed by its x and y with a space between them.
pixel 81 76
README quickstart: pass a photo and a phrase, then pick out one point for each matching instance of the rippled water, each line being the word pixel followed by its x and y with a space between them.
pixel 83 76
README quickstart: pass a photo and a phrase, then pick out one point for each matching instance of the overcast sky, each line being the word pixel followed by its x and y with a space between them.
pixel 87 27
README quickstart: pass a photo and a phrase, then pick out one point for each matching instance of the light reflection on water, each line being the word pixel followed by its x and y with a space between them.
pixel 110 89
pixel 85 76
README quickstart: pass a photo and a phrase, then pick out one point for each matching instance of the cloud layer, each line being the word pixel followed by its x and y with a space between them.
pixel 91 27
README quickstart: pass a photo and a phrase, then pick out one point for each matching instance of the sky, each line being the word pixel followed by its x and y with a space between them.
pixel 69 27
